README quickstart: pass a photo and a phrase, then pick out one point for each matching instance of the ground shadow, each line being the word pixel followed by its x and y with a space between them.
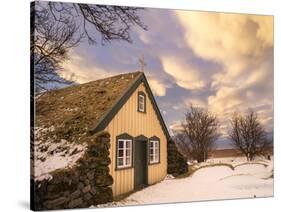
pixel 24 204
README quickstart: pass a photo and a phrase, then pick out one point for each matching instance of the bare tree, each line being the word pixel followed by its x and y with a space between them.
pixel 57 27
pixel 198 134
pixel 50 41
pixel 248 135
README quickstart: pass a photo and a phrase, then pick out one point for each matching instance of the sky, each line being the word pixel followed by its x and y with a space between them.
pixel 218 61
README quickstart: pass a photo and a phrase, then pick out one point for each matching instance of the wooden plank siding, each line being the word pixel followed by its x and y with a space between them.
pixel 129 120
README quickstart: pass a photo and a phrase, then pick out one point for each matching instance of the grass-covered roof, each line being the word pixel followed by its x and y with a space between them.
pixel 73 111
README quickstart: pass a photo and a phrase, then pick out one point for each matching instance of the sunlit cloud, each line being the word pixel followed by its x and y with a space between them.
pixel 224 36
pixel 221 62
pixel 243 45
pixel 176 125
pixel 81 72
pixel 157 87
pixel 183 73
pixel 196 102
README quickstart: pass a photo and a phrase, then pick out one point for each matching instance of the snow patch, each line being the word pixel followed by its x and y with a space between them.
pixel 214 182
pixel 169 177
pixel 50 156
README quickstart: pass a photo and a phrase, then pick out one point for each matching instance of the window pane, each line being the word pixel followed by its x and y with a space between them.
pixel 120 153
pixel 128 152
pixel 141 107
pixel 128 161
pixel 157 157
pixel 128 144
pixel 120 144
pixel 120 161
pixel 157 144
pixel 141 98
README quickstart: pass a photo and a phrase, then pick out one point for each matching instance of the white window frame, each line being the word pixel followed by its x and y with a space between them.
pixel 155 147
pixel 141 96
pixel 125 156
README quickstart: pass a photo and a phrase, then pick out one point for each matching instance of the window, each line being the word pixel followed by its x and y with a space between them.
pixel 141 102
pixel 124 153
pixel 154 150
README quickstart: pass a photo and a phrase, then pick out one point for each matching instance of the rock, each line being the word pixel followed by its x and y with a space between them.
pixel 90 175
pixel 93 190
pixel 75 194
pixel 51 188
pixel 88 196
pixel 103 181
pixel 80 185
pixel 86 189
pixel 75 203
pixel 52 196
pixel 103 196
pixel 55 203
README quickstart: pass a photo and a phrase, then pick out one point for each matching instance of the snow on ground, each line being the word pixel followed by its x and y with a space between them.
pixel 50 156
pixel 247 180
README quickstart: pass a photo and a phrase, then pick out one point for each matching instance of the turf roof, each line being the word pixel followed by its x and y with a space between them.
pixel 74 110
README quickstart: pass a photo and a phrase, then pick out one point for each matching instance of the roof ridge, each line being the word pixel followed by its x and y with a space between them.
pixel 112 76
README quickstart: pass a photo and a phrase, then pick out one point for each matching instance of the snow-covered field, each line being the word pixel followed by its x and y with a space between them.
pixel 240 180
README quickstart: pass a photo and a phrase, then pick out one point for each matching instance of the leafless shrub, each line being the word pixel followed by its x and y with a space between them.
pixel 248 135
pixel 198 134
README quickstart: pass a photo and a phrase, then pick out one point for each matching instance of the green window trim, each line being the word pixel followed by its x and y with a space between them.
pixel 141 94
pixel 124 152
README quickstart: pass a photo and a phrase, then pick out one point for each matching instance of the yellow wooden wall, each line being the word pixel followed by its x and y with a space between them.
pixel 129 120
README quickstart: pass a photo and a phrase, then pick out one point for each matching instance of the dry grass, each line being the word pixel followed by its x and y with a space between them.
pixel 75 110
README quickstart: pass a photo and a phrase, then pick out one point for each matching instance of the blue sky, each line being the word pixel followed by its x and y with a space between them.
pixel 223 62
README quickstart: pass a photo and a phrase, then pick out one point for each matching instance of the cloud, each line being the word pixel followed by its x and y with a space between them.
pixel 183 73
pixel 178 106
pixel 157 87
pixel 223 62
pixel 225 36
pixel 80 69
pixel 175 126
pixel 243 45
pixel 197 102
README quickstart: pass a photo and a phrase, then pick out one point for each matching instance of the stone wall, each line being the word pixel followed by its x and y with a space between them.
pixel 87 183
pixel 177 164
